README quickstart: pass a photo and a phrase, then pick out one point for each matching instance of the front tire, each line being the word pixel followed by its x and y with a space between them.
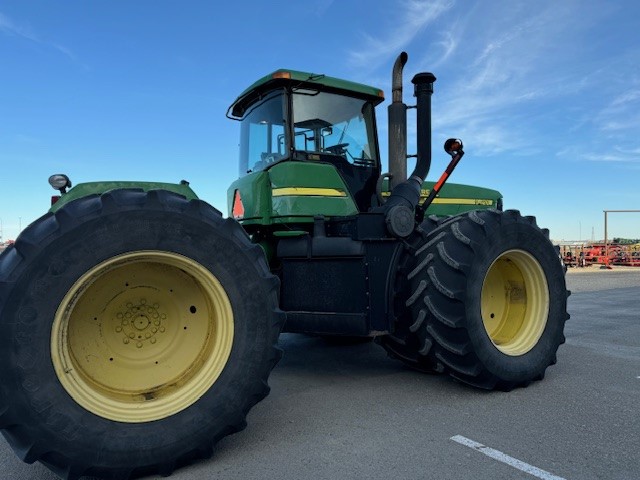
pixel 136 330
pixel 485 301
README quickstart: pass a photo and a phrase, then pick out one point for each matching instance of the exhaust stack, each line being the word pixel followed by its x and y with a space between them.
pixel 423 89
pixel 400 208
pixel 397 113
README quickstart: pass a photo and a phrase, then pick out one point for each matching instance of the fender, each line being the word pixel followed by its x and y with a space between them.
pixel 98 188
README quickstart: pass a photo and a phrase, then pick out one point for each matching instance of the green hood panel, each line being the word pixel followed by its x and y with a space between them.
pixel 255 194
pixel 306 189
pixel 291 192
pixel 93 188
pixel 455 198
pixel 294 192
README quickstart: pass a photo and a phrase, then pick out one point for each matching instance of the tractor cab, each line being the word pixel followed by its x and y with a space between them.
pixel 291 116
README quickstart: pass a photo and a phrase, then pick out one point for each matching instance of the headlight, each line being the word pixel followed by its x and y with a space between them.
pixel 60 182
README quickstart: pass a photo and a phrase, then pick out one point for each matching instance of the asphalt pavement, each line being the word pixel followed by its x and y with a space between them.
pixel 350 412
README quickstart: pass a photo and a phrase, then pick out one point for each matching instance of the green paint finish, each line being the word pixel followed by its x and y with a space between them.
pixel 269 197
pixel 93 188
pixel 294 192
pixel 455 198
pixel 290 220
pixel 290 233
pixel 305 174
pixel 255 192
pixel 308 177
pixel 307 207
pixel 307 80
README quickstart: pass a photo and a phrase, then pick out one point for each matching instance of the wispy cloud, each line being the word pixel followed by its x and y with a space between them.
pixel 502 59
pixel 615 154
pixel 411 18
pixel 622 114
pixel 626 97
pixel 509 68
pixel 445 46
pixel 618 157
pixel 12 28
pixel 516 93
pixel 9 27
pixel 321 6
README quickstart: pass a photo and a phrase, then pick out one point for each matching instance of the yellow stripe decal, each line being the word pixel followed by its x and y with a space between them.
pixel 452 201
pixel 308 192
pixel 461 201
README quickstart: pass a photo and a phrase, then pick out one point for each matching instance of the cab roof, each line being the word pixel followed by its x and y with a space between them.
pixel 284 77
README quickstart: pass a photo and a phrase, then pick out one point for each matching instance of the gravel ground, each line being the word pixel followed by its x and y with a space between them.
pixel 590 279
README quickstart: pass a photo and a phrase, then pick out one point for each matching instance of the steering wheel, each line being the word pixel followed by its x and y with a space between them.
pixel 338 149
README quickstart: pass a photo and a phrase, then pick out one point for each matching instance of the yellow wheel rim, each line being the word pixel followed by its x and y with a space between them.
pixel 515 302
pixel 142 336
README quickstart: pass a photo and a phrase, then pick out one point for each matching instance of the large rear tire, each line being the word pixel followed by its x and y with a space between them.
pixel 484 300
pixel 136 330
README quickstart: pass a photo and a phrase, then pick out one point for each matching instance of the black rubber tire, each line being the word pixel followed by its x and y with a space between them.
pixel 439 323
pixel 39 418
pixel 402 344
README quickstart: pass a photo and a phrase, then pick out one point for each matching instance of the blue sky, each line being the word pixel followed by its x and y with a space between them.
pixel 545 94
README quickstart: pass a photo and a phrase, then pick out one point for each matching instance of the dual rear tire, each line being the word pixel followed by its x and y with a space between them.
pixel 482 297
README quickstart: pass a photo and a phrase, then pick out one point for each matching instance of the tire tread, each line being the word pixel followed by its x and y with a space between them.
pixel 41 233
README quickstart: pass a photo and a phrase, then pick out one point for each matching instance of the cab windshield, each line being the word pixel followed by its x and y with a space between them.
pixel 327 123
pixel 326 127
pixel 262 139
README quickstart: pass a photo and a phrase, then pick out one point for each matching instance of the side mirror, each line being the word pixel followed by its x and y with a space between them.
pixel 453 146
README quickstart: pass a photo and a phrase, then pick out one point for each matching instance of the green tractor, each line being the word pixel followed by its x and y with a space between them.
pixel 138 326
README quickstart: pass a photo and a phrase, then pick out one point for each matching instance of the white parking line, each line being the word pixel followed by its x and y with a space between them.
pixel 504 458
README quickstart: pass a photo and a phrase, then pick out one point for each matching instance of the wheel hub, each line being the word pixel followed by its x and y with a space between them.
pixel 139 323
pixel 142 336
pixel 515 302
